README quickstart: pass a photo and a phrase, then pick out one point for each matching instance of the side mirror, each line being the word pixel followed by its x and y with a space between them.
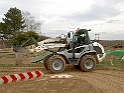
pixel 89 30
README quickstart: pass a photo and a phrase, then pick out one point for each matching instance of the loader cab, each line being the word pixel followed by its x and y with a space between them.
pixel 77 39
pixel 81 37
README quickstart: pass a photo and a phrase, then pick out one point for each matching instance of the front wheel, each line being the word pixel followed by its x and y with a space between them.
pixel 87 63
pixel 56 64
pixel 45 61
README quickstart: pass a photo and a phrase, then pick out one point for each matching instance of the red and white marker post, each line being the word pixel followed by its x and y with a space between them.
pixel 19 77
pixel 59 76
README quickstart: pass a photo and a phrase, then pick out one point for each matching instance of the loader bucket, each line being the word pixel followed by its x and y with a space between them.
pixel 40 57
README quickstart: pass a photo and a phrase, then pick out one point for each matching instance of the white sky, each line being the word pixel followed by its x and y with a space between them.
pixel 104 17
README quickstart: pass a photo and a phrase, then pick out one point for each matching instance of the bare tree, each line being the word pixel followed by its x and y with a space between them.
pixel 30 22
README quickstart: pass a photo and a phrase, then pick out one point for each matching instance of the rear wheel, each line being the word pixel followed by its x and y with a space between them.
pixel 87 63
pixel 56 64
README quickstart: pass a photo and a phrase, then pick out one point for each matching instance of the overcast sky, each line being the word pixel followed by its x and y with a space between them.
pixel 104 17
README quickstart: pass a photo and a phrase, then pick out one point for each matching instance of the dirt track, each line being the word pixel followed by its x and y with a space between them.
pixel 106 80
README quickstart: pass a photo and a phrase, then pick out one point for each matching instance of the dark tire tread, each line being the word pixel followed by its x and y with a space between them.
pixel 51 60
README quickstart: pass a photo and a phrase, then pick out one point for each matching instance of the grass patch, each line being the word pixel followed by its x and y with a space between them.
pixel 7 65
pixel 14 65
pixel 119 63
pixel 26 65
pixel 10 56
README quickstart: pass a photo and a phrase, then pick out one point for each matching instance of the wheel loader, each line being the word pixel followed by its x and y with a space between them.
pixel 79 51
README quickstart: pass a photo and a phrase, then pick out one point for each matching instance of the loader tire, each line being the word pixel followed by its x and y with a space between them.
pixel 45 61
pixel 87 63
pixel 56 64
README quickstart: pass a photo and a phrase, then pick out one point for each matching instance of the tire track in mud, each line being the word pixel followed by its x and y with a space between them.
pixel 108 80
pixel 117 74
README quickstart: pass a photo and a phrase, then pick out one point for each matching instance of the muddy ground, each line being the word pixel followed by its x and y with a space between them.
pixel 101 80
